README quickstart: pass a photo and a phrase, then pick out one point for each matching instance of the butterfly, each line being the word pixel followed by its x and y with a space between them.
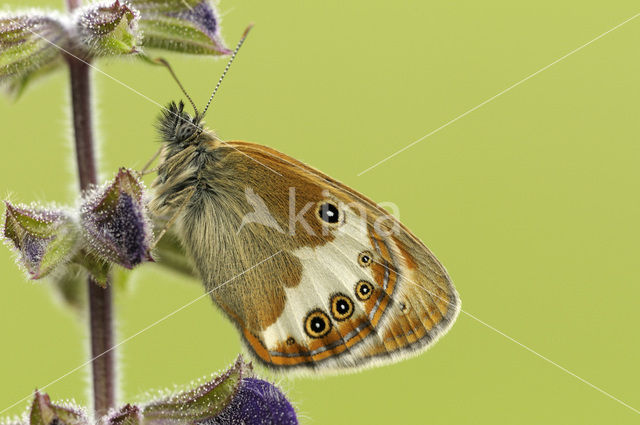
pixel 315 276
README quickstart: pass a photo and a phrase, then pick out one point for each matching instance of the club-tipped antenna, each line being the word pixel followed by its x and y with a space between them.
pixel 162 61
pixel 233 56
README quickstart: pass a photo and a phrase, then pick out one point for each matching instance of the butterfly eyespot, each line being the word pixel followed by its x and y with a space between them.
pixel 329 213
pixel 317 324
pixel 365 259
pixel 364 290
pixel 290 341
pixel 341 307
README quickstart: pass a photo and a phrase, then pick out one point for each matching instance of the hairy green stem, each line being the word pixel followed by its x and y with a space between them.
pixel 100 299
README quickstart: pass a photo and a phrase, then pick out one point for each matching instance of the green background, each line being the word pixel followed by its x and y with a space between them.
pixel 531 202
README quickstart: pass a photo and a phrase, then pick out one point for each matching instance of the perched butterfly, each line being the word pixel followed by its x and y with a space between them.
pixel 313 274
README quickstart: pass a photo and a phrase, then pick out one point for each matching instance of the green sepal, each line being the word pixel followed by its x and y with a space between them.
pixel 97 268
pixel 43 412
pixel 44 239
pixel 128 415
pixel 198 404
pixel 108 30
pixel 30 47
pixel 186 26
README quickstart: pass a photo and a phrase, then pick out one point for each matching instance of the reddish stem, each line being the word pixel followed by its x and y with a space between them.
pixel 100 299
pixel 72 4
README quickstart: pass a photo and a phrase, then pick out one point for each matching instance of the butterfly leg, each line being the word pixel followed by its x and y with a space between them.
pixel 145 169
pixel 174 217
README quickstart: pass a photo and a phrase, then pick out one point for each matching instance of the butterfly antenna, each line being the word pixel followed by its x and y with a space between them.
pixel 233 56
pixel 175 77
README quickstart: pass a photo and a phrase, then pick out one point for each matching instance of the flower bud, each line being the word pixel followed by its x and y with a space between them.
pixel 44 239
pixel 128 415
pixel 109 28
pixel 199 404
pixel 232 398
pixel 187 26
pixel 43 412
pixel 28 46
pixel 115 221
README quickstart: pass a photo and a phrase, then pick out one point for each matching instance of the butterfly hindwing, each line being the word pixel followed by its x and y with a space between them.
pixel 406 298
pixel 313 274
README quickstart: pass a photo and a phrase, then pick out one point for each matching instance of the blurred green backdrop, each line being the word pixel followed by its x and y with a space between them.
pixel 530 202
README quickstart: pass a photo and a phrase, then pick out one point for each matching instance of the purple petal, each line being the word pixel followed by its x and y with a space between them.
pixel 201 15
pixel 128 229
pixel 257 402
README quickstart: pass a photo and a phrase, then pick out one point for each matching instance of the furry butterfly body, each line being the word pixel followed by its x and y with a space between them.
pixel 313 274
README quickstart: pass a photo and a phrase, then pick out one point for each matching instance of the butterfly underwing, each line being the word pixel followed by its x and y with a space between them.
pixel 314 275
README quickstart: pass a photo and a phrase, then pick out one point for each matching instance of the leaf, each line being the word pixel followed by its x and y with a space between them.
pixel 44 239
pixel 187 26
pixel 108 29
pixel 28 47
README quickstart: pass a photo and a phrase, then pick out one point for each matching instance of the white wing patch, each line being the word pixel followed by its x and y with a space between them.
pixel 327 269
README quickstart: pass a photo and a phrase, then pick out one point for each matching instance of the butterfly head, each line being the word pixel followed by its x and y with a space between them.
pixel 177 127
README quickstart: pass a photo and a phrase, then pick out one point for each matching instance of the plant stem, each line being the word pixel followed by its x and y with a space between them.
pixel 100 299
pixel 72 4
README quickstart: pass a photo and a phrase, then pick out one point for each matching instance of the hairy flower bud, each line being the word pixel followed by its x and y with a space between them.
pixel 199 404
pixel 44 239
pixel 28 46
pixel 187 26
pixel 232 398
pixel 128 415
pixel 115 222
pixel 43 412
pixel 108 28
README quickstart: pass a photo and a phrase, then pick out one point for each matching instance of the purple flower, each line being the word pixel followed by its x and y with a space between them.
pixel 115 222
pixel 257 402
